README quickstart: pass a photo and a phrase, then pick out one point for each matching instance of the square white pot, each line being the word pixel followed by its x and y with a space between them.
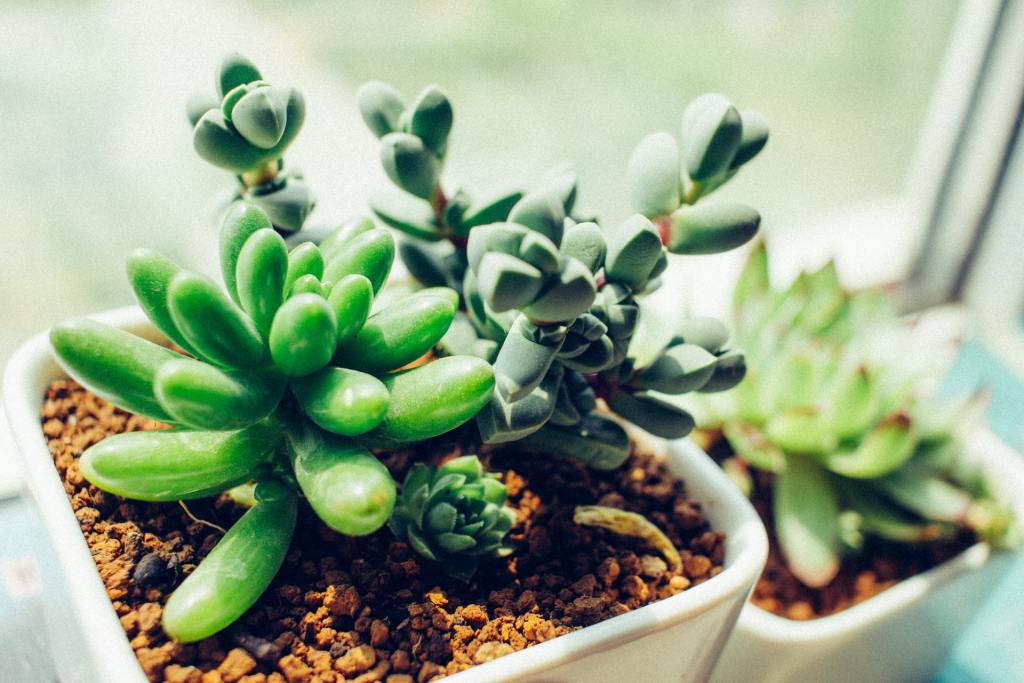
pixel 677 639
pixel 904 633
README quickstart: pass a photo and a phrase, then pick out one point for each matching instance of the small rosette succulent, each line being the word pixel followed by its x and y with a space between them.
pixel 853 446
pixel 551 297
pixel 246 129
pixel 290 378
pixel 454 515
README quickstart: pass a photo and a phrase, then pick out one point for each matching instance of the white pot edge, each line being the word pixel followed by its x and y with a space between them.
pixel 33 366
pixel 1004 469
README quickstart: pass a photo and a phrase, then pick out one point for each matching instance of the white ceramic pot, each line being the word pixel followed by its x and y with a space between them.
pixel 677 639
pixel 902 634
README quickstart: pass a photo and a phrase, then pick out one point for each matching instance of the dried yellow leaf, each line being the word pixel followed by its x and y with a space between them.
pixel 629 524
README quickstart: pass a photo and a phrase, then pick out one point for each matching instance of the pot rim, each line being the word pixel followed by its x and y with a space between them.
pixel 33 366
pixel 1004 469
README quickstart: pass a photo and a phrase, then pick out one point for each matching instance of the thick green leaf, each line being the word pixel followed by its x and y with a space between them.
pixel 504 420
pixel 307 284
pixel 304 259
pixel 585 243
pixel 369 253
pixel 806 521
pixel 261 115
pixel 568 294
pixel 115 365
pixel 711 228
pixel 800 430
pixel 710 334
pixel 755 137
pixel 850 404
pixel 287 204
pixel 351 299
pixel 653 174
pixel 525 357
pixel 240 567
pixel 303 335
pixel 655 415
pixel 596 440
pixel 342 401
pixel 178 464
pixel 541 211
pixel 203 397
pixel 730 369
pixel 712 132
pixel 409 164
pixel 433 399
pixel 680 369
pixel 403 211
pixel 150 274
pixel 240 221
pixel 380 106
pixel 506 282
pixel 235 70
pixel 398 334
pixel 884 449
pixel 213 325
pixel 490 211
pixel 431 119
pixel 633 250
pixel 260 272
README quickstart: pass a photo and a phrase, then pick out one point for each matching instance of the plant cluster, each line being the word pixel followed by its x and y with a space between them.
pixel 291 380
pixel 852 446
pixel 246 129
pixel 552 297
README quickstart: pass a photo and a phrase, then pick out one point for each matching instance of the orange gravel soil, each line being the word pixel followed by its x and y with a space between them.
pixel 369 609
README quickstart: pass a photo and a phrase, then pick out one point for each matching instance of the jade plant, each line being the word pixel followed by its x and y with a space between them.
pixel 246 129
pixel 852 446
pixel 287 380
pixel 550 296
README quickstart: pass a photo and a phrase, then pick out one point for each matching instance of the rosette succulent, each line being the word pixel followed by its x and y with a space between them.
pixel 288 378
pixel 851 444
pixel 552 297
pixel 246 129
pixel 454 514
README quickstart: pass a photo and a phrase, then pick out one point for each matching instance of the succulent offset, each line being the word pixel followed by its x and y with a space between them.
pixel 853 447
pixel 246 129
pixel 552 297
pixel 454 514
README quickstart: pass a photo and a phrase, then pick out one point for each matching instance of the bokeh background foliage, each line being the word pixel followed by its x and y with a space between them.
pixel 97 156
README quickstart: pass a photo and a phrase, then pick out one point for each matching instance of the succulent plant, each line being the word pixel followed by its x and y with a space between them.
pixel 550 296
pixel 454 515
pixel 246 129
pixel 853 446
pixel 290 378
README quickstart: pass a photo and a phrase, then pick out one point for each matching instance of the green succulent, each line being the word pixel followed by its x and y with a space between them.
pixel 853 447
pixel 454 515
pixel 290 378
pixel 553 298
pixel 246 129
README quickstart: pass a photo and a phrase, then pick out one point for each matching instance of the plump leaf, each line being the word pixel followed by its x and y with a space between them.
pixel 883 450
pixel 504 419
pixel 585 243
pixel 655 415
pixel 850 404
pixel 380 106
pixel 712 132
pixel 539 252
pixel 287 204
pixel 409 164
pixel 199 103
pixel 506 282
pixel 710 334
pixel 303 335
pixel 260 272
pixel 351 299
pixel 203 397
pixel 261 115
pixel 806 512
pixel 680 369
pixel 235 70
pixel 304 259
pixel 633 250
pixel 754 138
pixel 237 571
pixel 433 399
pixel 370 254
pixel 398 334
pixel 653 174
pixel 213 325
pixel 240 221
pixel 711 228
pixel 150 274
pixel 342 401
pixel 730 369
pixel 347 487
pixel 542 211
pixel 596 440
pixel 115 365
pixel 570 293
pixel 800 430
pixel 307 284
pixel 492 210
pixel 431 119
pixel 177 464
pixel 524 358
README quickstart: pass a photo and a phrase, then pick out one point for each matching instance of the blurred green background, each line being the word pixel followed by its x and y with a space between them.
pixel 97 157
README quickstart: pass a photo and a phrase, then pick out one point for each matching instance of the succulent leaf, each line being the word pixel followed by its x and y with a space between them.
pixel 342 401
pixel 410 214
pixel 596 440
pixel 431 119
pixel 240 221
pixel 806 511
pixel 235 70
pixel 653 414
pixel 409 164
pixel 201 396
pixel 653 174
pixel 150 274
pixel 711 228
pixel 260 272
pixel 585 243
pixel 380 106
pixel 754 138
pixel 541 210
pixel 633 250
pixel 370 253
pixel 302 335
pixel 712 133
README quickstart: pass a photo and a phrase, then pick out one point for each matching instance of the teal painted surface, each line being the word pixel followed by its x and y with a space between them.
pixel 992 650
